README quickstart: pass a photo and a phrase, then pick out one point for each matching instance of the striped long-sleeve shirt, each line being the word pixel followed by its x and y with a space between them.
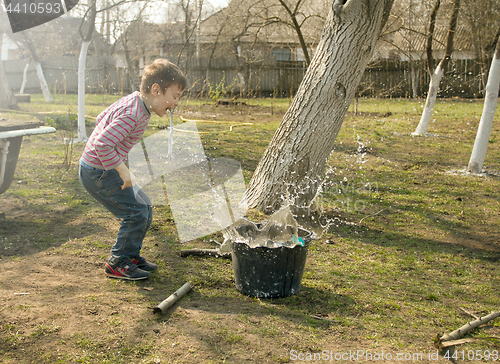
pixel 118 129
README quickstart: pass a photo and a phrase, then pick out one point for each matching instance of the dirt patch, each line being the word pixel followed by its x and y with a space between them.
pixel 377 282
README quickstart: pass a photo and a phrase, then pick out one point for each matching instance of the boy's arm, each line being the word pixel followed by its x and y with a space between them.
pixel 125 174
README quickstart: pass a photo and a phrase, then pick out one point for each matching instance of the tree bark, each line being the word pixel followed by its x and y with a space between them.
pixel 430 35
pixel 291 168
pixel 490 105
pixel 438 73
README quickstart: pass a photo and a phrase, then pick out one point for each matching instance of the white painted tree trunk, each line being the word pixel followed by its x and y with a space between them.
pixel 7 100
pixel 490 105
pixel 291 168
pixel 82 133
pixel 43 82
pixel 430 102
pixel 25 78
pixel 438 73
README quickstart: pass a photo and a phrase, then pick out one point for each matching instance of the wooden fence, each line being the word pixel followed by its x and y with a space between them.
pixel 463 78
pixel 266 78
pixel 61 74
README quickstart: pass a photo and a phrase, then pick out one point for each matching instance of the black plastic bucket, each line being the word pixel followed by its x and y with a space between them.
pixel 270 272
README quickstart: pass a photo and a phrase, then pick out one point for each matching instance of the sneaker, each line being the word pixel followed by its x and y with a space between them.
pixel 143 264
pixel 124 269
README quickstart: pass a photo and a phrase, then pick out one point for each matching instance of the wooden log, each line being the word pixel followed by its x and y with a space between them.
pixel 204 253
pixel 459 333
pixel 173 298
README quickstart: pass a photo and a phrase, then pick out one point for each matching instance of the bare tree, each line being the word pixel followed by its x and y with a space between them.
pixel 86 30
pixel 482 19
pixel 412 15
pixel 189 9
pixel 290 170
pixel 130 39
pixel 437 73
pixel 295 18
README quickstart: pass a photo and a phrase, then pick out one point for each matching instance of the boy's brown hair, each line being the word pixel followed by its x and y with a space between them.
pixel 164 73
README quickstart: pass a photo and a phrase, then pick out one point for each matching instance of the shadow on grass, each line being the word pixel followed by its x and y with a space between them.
pixel 304 308
pixel 22 236
pixel 459 242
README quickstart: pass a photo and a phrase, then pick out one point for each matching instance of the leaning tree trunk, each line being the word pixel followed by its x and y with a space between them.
pixel 438 73
pixel 290 170
pixel 425 119
pixel 490 105
pixel 42 82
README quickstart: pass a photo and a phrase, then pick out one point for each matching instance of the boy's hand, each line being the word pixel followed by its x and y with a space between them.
pixel 127 176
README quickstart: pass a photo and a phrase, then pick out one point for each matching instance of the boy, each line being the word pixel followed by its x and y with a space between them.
pixel 105 176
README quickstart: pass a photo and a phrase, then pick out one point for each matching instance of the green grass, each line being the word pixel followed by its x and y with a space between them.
pixel 411 240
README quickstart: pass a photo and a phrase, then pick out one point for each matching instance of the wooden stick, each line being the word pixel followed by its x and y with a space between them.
pixel 447 344
pixel 459 333
pixel 470 313
pixel 173 298
pixel 204 253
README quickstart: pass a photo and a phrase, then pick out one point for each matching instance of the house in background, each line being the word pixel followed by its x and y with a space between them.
pixel 246 47
pixel 411 45
pixel 229 46
pixel 10 49
pixel 56 45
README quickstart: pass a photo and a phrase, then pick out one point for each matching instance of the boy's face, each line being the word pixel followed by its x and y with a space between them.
pixel 163 102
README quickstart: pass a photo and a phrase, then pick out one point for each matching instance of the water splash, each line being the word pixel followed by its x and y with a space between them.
pixel 203 193
pixel 281 230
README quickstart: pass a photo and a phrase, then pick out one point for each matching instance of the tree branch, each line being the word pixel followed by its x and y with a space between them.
pixel 430 36
pixel 451 35
pixel 459 333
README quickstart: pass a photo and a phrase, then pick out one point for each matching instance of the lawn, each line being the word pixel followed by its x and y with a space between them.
pixel 412 242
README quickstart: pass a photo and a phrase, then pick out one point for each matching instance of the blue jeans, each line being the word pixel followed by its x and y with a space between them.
pixel 131 205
